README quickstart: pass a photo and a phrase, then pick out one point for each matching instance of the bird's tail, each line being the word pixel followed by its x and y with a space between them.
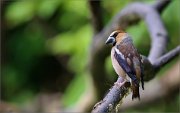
pixel 135 91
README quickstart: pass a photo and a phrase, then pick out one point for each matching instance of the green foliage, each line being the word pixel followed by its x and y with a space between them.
pixel 23 11
pixel 75 90
pixel 171 18
pixel 20 12
pixel 76 15
pixel 25 47
pixel 27 43
pixel 10 80
pixel 76 6
pixel 74 43
pixel 46 8
pixel 110 9
pixel 138 36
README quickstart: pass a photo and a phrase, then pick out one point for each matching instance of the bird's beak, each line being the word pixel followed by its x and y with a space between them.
pixel 110 40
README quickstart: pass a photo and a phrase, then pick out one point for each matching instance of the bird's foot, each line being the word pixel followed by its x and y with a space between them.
pixel 120 83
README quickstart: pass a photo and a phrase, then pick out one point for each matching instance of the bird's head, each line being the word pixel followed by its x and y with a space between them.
pixel 116 37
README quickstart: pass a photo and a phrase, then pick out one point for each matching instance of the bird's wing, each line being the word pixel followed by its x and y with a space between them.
pixel 125 66
pixel 129 59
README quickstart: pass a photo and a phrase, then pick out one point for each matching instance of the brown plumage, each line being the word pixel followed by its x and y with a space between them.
pixel 126 60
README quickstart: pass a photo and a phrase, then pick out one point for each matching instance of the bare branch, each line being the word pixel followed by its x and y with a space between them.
pixel 166 58
pixel 96 15
pixel 112 98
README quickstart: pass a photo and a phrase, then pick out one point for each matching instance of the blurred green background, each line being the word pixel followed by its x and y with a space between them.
pixel 45 46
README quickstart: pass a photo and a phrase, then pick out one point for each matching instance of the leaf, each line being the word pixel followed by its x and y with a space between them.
pixel 20 12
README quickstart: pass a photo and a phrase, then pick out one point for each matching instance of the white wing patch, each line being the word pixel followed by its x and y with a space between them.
pixel 118 52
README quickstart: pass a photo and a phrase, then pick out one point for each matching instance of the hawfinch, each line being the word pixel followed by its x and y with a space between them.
pixel 126 60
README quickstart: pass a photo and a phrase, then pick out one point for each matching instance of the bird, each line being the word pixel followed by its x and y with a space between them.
pixel 126 60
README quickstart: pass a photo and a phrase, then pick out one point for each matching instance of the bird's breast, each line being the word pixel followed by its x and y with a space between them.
pixel 116 65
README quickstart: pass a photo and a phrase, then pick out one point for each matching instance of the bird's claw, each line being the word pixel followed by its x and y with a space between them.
pixel 120 83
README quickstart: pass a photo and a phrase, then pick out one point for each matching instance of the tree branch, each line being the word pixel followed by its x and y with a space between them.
pixel 112 98
pixel 166 58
